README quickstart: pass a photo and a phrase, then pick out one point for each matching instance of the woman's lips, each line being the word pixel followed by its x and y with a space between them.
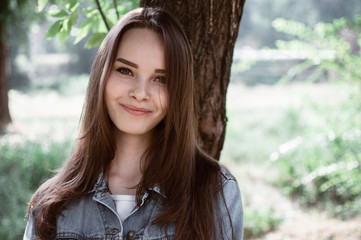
pixel 136 111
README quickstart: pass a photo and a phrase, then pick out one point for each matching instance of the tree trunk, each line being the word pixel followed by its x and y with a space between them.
pixel 4 108
pixel 212 29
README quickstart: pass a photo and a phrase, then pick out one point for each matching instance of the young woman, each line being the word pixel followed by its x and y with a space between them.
pixel 136 171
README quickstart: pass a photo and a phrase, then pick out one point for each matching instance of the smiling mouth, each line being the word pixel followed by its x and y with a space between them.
pixel 135 110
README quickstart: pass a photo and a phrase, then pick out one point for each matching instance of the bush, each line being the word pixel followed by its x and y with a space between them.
pixel 324 167
pixel 258 223
pixel 24 166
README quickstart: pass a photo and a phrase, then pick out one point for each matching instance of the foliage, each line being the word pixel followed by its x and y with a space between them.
pixel 256 30
pixel 258 223
pixel 24 165
pixel 323 167
pixel 328 47
pixel 96 19
pixel 326 50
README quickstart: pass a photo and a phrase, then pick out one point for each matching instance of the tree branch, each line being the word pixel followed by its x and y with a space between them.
pixel 116 9
pixel 102 14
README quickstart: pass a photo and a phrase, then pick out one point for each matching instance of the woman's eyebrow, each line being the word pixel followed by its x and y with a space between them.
pixel 127 62
pixel 159 70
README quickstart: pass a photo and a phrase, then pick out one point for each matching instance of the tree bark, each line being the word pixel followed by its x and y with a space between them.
pixel 212 28
pixel 4 108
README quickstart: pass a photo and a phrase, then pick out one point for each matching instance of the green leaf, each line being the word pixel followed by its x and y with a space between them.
pixel 90 12
pixel 83 30
pixel 66 28
pixel 54 29
pixel 111 21
pixel 41 4
pixel 95 39
pixel 74 7
pixel 292 27
pixel 71 5
pixel 101 27
pixel 63 35
pixel 66 25
pixel 59 14
pixel 73 18
pixel 96 20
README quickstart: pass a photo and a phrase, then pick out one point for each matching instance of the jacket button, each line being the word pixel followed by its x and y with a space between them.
pixel 131 234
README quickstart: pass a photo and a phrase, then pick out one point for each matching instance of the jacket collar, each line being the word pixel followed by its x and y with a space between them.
pixel 101 187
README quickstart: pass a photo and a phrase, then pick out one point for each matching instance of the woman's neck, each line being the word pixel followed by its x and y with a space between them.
pixel 124 172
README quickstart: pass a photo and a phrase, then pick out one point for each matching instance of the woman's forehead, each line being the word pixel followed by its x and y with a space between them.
pixel 141 45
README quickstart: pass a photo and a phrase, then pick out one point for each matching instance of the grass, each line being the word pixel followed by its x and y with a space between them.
pixel 261 118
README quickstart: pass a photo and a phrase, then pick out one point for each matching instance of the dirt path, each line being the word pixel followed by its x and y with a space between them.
pixel 316 227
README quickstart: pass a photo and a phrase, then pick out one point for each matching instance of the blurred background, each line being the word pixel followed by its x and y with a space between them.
pixel 293 138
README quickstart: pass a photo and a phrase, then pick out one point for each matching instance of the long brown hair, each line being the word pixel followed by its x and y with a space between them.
pixel 187 177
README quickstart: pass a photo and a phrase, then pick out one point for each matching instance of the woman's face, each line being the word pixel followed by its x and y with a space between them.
pixel 136 93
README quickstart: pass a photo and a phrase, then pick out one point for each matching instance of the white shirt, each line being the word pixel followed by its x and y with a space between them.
pixel 124 204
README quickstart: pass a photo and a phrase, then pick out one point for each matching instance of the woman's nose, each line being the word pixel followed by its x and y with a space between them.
pixel 140 90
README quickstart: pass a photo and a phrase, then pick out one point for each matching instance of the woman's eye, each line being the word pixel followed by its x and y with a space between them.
pixel 161 80
pixel 125 71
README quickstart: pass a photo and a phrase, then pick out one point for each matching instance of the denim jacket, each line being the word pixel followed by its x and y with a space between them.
pixel 94 216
